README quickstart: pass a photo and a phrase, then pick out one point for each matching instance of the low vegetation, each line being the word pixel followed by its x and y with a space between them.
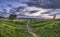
pixel 43 28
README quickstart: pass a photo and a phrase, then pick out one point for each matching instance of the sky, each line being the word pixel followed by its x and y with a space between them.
pixel 4 3
pixel 15 3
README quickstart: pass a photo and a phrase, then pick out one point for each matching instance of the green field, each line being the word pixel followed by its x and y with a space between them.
pixel 43 28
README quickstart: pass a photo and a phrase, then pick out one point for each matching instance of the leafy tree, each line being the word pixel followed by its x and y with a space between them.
pixel 12 17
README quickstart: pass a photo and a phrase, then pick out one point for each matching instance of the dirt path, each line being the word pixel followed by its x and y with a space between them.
pixel 30 30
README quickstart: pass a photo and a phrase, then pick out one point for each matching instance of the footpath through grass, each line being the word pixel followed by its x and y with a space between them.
pixel 44 28
pixel 13 29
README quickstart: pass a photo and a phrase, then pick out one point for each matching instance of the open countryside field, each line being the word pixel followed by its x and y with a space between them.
pixel 43 28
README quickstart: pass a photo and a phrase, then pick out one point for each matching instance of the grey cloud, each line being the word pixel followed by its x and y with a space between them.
pixel 45 4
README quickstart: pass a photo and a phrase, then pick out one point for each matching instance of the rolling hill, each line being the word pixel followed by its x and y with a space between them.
pixel 43 28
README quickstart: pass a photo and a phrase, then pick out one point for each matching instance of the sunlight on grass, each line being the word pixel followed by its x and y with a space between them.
pixel 44 28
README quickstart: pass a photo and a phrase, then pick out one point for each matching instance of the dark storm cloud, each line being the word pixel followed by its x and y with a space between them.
pixel 7 5
pixel 45 3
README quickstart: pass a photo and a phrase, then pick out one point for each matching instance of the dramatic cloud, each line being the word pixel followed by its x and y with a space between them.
pixel 11 6
pixel 28 8
pixel 45 3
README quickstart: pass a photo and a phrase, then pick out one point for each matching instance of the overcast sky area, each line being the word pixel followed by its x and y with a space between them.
pixel 26 8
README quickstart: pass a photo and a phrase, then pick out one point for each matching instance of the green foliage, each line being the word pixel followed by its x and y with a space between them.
pixel 12 17
pixel 13 29
pixel 44 28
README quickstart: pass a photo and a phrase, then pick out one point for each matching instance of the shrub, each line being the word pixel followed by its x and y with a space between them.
pixel 12 17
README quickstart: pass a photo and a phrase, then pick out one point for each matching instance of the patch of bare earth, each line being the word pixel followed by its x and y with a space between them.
pixel 30 30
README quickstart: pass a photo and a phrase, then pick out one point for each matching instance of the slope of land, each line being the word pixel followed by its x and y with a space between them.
pixel 43 28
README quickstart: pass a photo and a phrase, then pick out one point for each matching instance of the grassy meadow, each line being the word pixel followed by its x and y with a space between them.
pixel 43 28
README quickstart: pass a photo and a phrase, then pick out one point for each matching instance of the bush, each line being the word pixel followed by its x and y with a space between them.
pixel 12 17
